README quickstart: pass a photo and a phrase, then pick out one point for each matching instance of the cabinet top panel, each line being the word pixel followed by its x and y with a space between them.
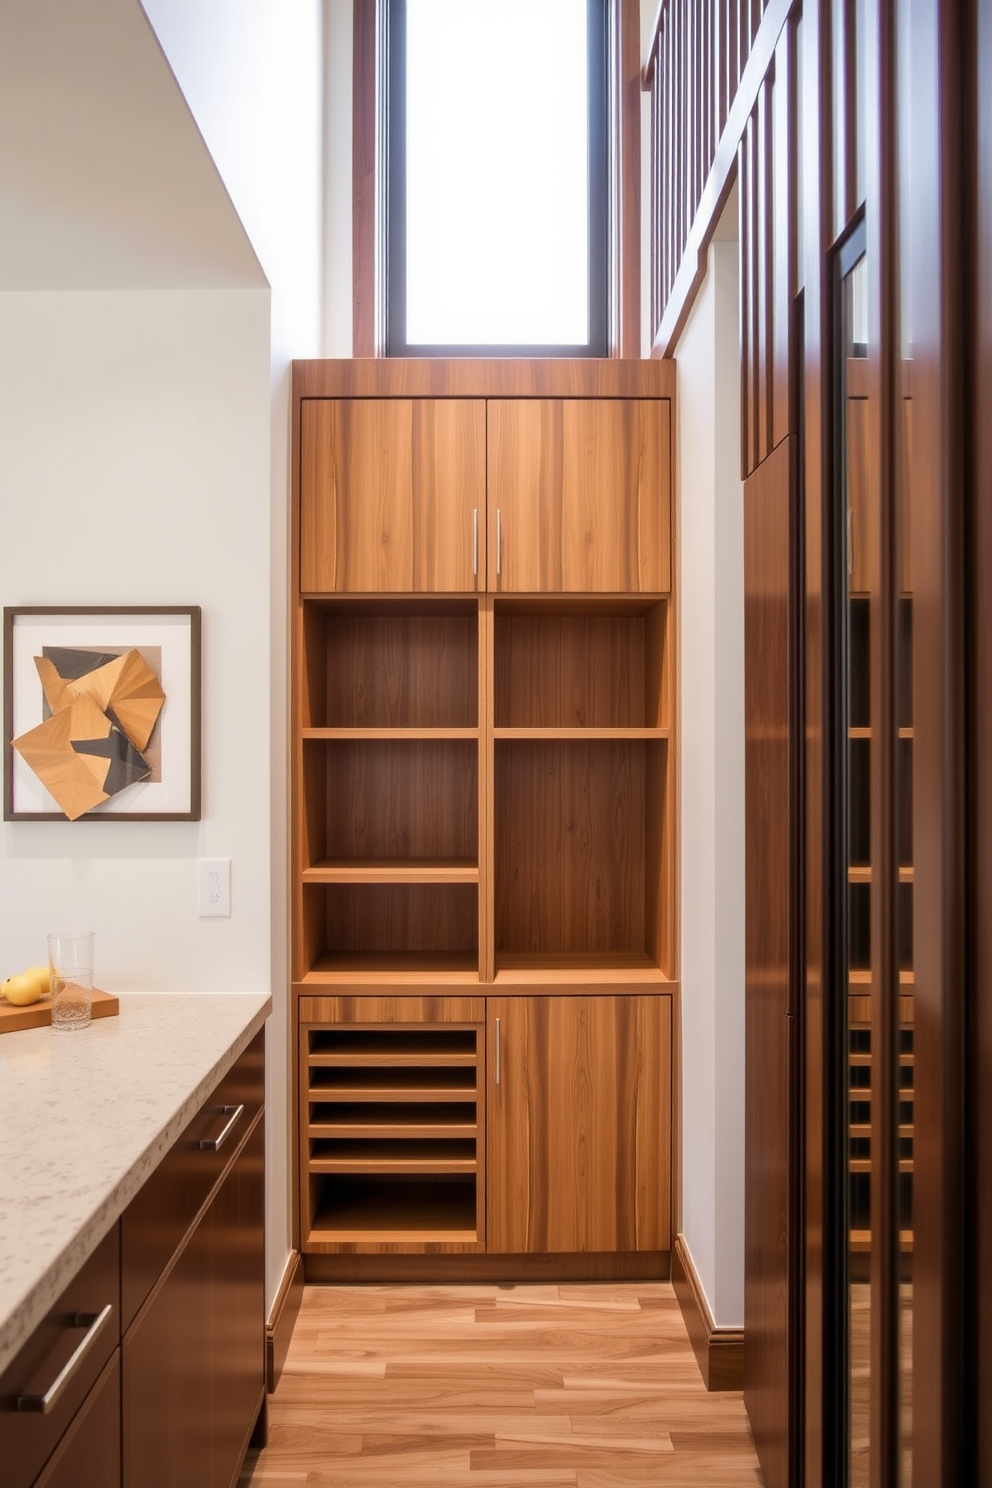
pixel 496 377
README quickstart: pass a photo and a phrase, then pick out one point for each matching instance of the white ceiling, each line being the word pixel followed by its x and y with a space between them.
pixel 105 182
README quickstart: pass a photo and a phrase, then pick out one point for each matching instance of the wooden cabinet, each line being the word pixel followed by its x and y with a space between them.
pixel 393 493
pixel 193 1357
pixel 193 1362
pixel 484 801
pixel 172 1402
pixel 578 494
pixel 579 1136
pixel 66 1360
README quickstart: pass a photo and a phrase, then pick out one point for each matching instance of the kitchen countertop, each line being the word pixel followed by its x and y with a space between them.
pixel 85 1118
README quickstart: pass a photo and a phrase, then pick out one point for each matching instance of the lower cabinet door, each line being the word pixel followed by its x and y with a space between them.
pixel 579 1123
pixel 194 1358
pixel 89 1455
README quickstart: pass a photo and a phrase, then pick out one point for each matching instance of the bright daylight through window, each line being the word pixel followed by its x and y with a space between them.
pixel 497 235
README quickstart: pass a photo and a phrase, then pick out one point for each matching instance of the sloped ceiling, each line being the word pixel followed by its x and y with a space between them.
pixel 105 182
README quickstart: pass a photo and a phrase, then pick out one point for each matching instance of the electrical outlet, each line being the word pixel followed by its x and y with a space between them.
pixel 213 892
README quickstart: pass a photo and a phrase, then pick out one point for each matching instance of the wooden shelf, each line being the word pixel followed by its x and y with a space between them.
pixel 861 873
pixel 591 732
pixel 449 967
pixel 374 870
pixel 398 734
pixel 529 968
pixel 392 1117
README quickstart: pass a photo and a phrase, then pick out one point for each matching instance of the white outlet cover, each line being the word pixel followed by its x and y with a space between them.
pixel 213 888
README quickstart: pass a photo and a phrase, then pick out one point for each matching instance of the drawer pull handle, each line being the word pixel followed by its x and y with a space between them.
pixel 92 1322
pixel 214 1144
pixel 497 1051
pixel 475 542
pixel 499 542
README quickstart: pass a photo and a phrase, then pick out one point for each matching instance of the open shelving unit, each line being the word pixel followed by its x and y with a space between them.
pixel 483 779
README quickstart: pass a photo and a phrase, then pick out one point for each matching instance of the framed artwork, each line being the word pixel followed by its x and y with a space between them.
pixel 101 713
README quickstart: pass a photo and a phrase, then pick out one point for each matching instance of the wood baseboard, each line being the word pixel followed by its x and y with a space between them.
pixel 282 1319
pixel 643 1265
pixel 719 1351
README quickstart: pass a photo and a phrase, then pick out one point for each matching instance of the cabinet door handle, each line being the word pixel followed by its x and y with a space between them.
pixel 92 1322
pixel 499 542
pixel 214 1144
pixel 497 1051
pixel 475 542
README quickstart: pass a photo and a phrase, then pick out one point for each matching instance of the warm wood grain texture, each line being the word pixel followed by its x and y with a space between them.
pixel 583 492
pixel 393 801
pixel 390 1113
pixel 156 1221
pixel 576 671
pixel 481 377
pixel 579 1123
pixel 387 492
pixel 564 1386
pixel 580 807
pixel 719 1351
pixel 474 1266
pixel 89 1455
pixel 375 667
pixel 395 919
pixel 396 1009
pixel 194 1360
pixel 27 1438
pixel 768 1071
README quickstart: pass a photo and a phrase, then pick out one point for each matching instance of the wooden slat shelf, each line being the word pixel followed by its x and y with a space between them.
pixel 387 871
pixel 391 1120
pixel 531 968
pixel 861 873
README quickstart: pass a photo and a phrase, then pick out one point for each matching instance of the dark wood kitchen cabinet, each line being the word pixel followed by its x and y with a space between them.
pixel 193 1356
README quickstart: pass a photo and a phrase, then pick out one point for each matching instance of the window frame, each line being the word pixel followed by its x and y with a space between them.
pixel 369 144
pixel 394 201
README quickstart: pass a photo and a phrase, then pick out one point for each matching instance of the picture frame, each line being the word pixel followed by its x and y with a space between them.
pixel 162 771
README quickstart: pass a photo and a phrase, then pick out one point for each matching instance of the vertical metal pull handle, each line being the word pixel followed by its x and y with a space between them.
pixel 497 1051
pixel 850 541
pixel 499 542
pixel 475 542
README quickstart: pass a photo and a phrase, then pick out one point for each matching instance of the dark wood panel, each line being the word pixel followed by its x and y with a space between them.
pixel 574 671
pixel 374 670
pixel 980 678
pixel 194 1361
pixel 768 1063
pixel 400 917
pixel 28 1438
pixel 640 1265
pixel 156 1221
pixel 579 1127
pixel 89 1455
pixel 580 807
pixel 393 800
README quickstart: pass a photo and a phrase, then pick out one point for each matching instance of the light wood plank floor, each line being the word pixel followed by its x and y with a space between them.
pixel 578 1386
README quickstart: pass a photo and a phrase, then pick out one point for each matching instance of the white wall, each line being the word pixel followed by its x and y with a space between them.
pixel 711 588
pixel 251 72
pixel 144 444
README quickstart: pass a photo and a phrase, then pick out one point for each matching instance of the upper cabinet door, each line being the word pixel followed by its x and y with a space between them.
pixel 392 495
pixel 579 495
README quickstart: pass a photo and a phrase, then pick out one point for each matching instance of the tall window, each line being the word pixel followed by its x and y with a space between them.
pixel 496 231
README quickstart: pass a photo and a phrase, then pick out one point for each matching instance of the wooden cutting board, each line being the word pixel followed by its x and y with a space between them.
pixel 39 1014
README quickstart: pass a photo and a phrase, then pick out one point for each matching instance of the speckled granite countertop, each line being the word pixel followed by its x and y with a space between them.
pixel 85 1118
